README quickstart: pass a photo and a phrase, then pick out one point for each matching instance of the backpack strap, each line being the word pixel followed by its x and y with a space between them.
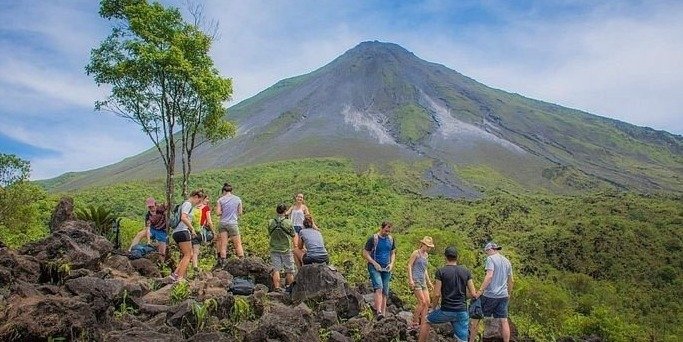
pixel 278 225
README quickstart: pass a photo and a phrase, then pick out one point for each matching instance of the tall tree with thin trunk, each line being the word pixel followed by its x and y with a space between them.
pixel 161 78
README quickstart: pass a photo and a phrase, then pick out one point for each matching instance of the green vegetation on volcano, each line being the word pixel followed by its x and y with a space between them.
pixel 606 263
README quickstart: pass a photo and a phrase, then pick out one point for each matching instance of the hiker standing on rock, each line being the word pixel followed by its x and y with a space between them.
pixel 380 252
pixel 418 279
pixel 281 233
pixel 495 290
pixel 145 232
pixel 229 208
pixel 311 247
pixel 453 285
pixel 297 212
pixel 184 232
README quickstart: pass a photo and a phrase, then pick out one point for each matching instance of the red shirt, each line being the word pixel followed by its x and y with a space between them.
pixel 205 212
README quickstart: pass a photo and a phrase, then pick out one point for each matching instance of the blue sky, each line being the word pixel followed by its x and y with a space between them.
pixel 620 59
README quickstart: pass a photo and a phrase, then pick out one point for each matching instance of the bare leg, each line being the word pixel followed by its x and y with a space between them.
pixel 424 332
pixel 186 251
pixel 237 243
pixel 224 244
pixel 298 257
pixel 161 248
pixel 474 329
pixel 276 279
pixel 384 303
pixel 195 256
pixel 417 315
pixel 289 278
pixel 378 301
pixel 425 307
pixel 505 329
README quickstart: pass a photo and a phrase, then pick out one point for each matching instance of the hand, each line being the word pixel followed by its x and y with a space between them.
pixel 412 284
pixel 430 286
pixel 377 267
pixel 390 267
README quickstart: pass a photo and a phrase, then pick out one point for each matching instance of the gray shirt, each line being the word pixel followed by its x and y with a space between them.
pixel 419 268
pixel 500 265
pixel 186 208
pixel 313 241
pixel 229 208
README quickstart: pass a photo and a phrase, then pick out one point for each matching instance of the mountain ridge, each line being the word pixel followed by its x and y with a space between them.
pixel 378 103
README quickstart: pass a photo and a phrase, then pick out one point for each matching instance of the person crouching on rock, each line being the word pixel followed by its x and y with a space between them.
pixel 184 232
pixel 157 228
pixel 418 279
pixel 281 233
pixel 151 205
pixel 311 247
pixel 380 252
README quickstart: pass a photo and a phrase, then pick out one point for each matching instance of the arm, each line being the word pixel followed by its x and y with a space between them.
pixel 437 294
pixel 410 269
pixel 369 259
pixel 209 221
pixel 300 243
pixel 429 281
pixel 306 211
pixel 186 219
pixel 471 290
pixel 239 209
pixel 393 259
pixel 510 282
pixel 487 281
pixel 219 212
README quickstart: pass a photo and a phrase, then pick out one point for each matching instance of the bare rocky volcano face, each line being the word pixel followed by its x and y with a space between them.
pixel 379 103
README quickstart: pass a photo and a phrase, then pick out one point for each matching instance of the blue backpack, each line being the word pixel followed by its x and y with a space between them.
pixel 175 216
pixel 140 250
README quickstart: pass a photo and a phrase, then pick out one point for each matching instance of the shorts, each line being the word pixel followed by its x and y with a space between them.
pixel 231 228
pixel 307 260
pixel 182 236
pixel 420 284
pixel 496 307
pixel 297 229
pixel 282 261
pixel 159 235
pixel 379 279
pixel 458 319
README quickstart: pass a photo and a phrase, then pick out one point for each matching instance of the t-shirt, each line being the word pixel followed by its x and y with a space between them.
pixel 500 265
pixel 206 211
pixel 186 208
pixel 313 241
pixel 382 254
pixel 453 287
pixel 148 216
pixel 229 208
pixel 280 237
pixel 196 217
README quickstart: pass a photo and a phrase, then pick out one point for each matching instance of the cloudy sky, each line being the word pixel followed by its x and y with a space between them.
pixel 620 59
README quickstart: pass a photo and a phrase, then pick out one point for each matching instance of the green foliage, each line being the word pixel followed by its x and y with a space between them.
pixel 125 308
pixel 13 169
pixel 414 123
pixel 24 213
pixel 241 310
pixel 101 217
pixel 607 262
pixel 201 312
pixel 180 291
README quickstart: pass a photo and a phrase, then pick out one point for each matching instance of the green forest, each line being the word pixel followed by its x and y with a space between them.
pixel 604 263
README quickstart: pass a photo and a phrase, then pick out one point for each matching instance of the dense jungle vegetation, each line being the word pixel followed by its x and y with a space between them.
pixel 608 263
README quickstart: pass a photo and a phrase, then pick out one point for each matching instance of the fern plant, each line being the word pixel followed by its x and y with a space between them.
pixel 101 217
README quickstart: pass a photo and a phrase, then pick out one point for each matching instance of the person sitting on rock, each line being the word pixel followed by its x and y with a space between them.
pixel 145 232
pixel 453 285
pixel 281 233
pixel 157 228
pixel 418 279
pixel 311 247
pixel 380 253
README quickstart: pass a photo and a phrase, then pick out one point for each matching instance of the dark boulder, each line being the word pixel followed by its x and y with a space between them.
pixel 320 283
pixel 211 337
pixel 119 263
pixel 251 267
pixel 492 330
pixel 17 267
pixel 39 317
pixel 283 323
pixel 141 335
pixel 389 329
pixel 64 211
pixel 146 267
pixel 99 293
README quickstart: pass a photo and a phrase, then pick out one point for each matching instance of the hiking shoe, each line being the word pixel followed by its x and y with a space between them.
pixel 174 277
pixel 380 317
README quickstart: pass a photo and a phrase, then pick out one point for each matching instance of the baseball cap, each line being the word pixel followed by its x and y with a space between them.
pixel 492 245
pixel 150 202
pixel 450 252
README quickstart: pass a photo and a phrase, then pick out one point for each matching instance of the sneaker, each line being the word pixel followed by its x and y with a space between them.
pixel 174 277
pixel 380 317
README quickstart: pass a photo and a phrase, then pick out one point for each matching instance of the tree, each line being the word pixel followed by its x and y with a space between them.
pixel 161 78
pixel 13 169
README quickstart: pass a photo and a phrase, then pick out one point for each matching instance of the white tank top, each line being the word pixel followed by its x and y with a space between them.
pixel 298 217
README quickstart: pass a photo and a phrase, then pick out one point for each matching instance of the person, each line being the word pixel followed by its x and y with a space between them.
pixel 297 212
pixel 281 233
pixel 157 228
pixel 184 232
pixel 311 247
pixel 229 208
pixel 418 279
pixel 495 290
pixel 453 285
pixel 201 217
pixel 150 203
pixel 380 253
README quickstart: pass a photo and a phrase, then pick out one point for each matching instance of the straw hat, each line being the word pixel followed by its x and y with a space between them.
pixel 427 240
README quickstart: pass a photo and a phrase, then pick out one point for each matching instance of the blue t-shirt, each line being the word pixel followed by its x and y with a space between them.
pixel 382 253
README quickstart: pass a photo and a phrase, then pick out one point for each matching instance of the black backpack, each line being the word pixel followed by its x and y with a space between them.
pixel 242 286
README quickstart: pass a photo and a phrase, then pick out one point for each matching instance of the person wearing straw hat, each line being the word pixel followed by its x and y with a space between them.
pixel 418 279
pixel 495 290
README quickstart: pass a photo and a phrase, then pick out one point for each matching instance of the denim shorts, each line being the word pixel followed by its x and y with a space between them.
pixel 420 284
pixel 379 279
pixel 159 235
pixel 308 260
pixel 496 307
pixel 458 319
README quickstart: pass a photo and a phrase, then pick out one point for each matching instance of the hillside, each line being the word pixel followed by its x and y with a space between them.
pixel 379 103
pixel 606 264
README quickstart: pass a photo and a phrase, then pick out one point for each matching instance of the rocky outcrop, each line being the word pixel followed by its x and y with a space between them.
pixel 63 212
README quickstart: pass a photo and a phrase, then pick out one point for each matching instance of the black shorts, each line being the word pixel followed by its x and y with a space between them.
pixel 182 236
pixel 307 260
pixel 496 307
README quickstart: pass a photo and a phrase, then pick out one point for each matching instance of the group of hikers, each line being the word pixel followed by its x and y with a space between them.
pixel 295 240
